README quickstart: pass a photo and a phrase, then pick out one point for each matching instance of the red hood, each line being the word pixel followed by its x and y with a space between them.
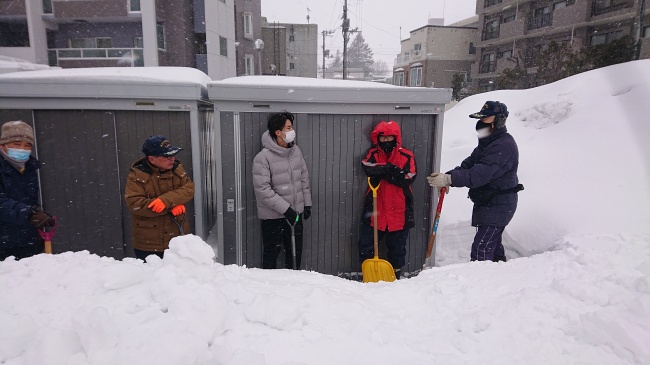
pixel 390 128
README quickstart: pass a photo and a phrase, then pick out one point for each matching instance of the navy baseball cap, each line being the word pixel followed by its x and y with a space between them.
pixel 490 108
pixel 159 146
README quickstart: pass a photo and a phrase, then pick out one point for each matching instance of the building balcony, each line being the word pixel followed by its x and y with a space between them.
pixel 89 57
pixel 600 7
pixel 545 20
pixel 402 60
pixel 490 33
pixel 578 12
pixel 89 10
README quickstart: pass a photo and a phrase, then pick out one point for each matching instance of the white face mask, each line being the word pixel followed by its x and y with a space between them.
pixel 483 132
pixel 290 136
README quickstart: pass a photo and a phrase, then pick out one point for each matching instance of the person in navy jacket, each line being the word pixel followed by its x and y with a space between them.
pixel 20 214
pixel 392 166
pixel 490 173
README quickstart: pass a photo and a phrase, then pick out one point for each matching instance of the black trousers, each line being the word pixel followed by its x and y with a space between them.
pixel 276 234
pixel 395 241
pixel 142 255
pixel 22 252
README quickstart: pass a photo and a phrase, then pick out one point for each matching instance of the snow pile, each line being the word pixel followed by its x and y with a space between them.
pixel 582 294
pixel 584 161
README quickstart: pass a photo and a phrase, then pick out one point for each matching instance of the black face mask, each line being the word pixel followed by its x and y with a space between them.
pixel 388 146
pixel 481 125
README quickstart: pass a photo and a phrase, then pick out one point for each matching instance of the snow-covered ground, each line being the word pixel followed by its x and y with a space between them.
pixel 575 291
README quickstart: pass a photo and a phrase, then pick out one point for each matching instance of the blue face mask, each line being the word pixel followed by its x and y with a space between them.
pixel 18 154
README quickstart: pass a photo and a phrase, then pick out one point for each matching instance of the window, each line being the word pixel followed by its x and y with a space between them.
pixel 134 5
pixel 90 43
pixel 14 33
pixel 489 3
pixel 137 42
pixel 506 54
pixel 646 32
pixel 472 49
pixel 605 38
pixel 200 46
pixel 248 25
pixel 398 79
pixel 488 63
pixel 223 46
pixel 559 5
pixel 509 18
pixel 248 65
pixel 160 35
pixel 292 66
pixel 539 12
pixel 291 38
pixel 417 48
pixel 47 6
pixel 415 78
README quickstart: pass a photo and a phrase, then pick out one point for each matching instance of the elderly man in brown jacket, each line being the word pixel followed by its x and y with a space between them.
pixel 157 189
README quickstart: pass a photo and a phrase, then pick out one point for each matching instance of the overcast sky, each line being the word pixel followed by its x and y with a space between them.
pixel 379 20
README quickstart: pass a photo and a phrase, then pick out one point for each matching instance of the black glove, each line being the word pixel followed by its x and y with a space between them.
pixel 39 218
pixel 307 213
pixel 291 215
pixel 394 170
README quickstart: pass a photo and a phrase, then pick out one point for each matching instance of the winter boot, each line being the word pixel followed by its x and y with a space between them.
pixel 398 273
pixel 499 258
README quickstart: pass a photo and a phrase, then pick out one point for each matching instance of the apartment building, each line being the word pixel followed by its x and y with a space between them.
pixel 434 53
pixel 121 33
pixel 248 32
pixel 290 49
pixel 514 31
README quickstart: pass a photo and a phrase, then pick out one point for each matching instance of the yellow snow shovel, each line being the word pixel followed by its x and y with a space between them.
pixel 376 269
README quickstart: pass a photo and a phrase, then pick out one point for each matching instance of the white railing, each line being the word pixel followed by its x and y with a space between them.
pixel 125 56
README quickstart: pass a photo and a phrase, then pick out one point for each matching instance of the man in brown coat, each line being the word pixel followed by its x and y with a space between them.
pixel 157 189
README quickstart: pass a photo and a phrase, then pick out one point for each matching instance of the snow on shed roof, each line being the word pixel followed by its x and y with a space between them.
pixel 302 89
pixel 107 82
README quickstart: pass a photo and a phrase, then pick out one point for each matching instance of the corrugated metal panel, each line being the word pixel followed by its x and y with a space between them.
pixel 79 180
pixel 333 146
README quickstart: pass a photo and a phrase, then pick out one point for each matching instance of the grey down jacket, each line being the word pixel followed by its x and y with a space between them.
pixel 280 179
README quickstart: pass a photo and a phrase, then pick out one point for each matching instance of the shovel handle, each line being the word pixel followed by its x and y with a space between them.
pixel 374 216
pixel 432 237
pixel 47 236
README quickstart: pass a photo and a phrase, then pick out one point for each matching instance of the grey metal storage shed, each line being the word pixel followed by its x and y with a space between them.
pixel 333 123
pixel 89 126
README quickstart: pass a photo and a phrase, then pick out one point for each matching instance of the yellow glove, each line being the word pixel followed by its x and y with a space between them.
pixel 178 210
pixel 157 206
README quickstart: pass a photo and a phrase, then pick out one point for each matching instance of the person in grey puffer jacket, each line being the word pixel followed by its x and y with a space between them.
pixel 281 183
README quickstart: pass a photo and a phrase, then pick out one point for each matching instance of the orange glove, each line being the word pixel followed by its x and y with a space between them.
pixel 157 206
pixel 178 210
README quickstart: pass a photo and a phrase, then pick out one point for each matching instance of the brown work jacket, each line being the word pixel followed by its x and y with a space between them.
pixel 153 231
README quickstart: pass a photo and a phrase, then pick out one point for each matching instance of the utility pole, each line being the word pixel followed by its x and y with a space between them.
pixel 325 52
pixel 346 37
pixel 639 31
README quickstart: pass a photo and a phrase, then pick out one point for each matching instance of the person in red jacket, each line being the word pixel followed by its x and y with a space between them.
pixel 393 167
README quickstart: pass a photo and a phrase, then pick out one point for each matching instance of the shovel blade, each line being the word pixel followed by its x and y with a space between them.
pixel 375 270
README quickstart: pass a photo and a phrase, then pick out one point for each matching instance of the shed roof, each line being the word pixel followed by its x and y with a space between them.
pixel 108 82
pixel 310 90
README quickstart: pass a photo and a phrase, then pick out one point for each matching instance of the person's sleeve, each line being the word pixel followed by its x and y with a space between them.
pixel 371 167
pixel 180 195
pixel 406 179
pixel 136 198
pixel 11 210
pixel 493 164
pixel 306 190
pixel 262 185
